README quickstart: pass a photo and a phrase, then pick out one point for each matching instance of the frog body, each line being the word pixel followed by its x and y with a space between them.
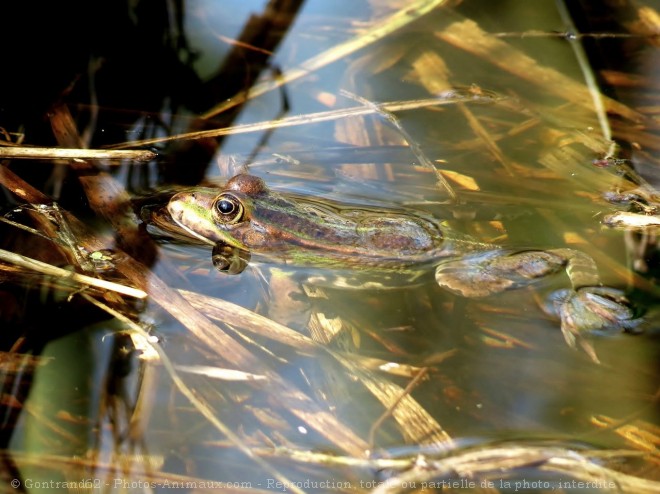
pixel 395 248
pixel 378 248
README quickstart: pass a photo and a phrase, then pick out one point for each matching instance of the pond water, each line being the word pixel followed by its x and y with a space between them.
pixel 521 124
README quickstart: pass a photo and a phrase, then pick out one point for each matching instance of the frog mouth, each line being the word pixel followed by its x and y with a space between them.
pixel 204 230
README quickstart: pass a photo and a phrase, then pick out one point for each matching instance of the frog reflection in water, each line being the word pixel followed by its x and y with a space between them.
pixel 369 248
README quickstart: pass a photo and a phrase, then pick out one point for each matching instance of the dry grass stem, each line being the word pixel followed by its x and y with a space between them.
pixel 415 423
pixel 81 279
pixel 468 36
pixel 16 152
pixel 487 140
pixel 246 320
pixel 197 401
pixel 528 163
pixel 390 410
pixel 396 21
pixel 631 221
pixel 214 339
pixel 450 98
pixel 489 463
pixel 415 148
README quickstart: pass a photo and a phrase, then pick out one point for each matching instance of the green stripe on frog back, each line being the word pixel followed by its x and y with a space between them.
pixel 316 226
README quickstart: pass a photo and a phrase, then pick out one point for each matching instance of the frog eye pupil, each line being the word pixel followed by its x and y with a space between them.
pixel 226 206
pixel 228 210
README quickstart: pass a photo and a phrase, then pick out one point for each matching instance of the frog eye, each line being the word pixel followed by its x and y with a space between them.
pixel 228 209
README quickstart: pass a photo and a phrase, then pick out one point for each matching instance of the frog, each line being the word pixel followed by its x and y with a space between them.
pixel 354 247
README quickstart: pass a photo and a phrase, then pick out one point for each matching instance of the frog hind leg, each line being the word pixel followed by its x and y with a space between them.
pixel 495 271
pixel 592 310
pixel 588 307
